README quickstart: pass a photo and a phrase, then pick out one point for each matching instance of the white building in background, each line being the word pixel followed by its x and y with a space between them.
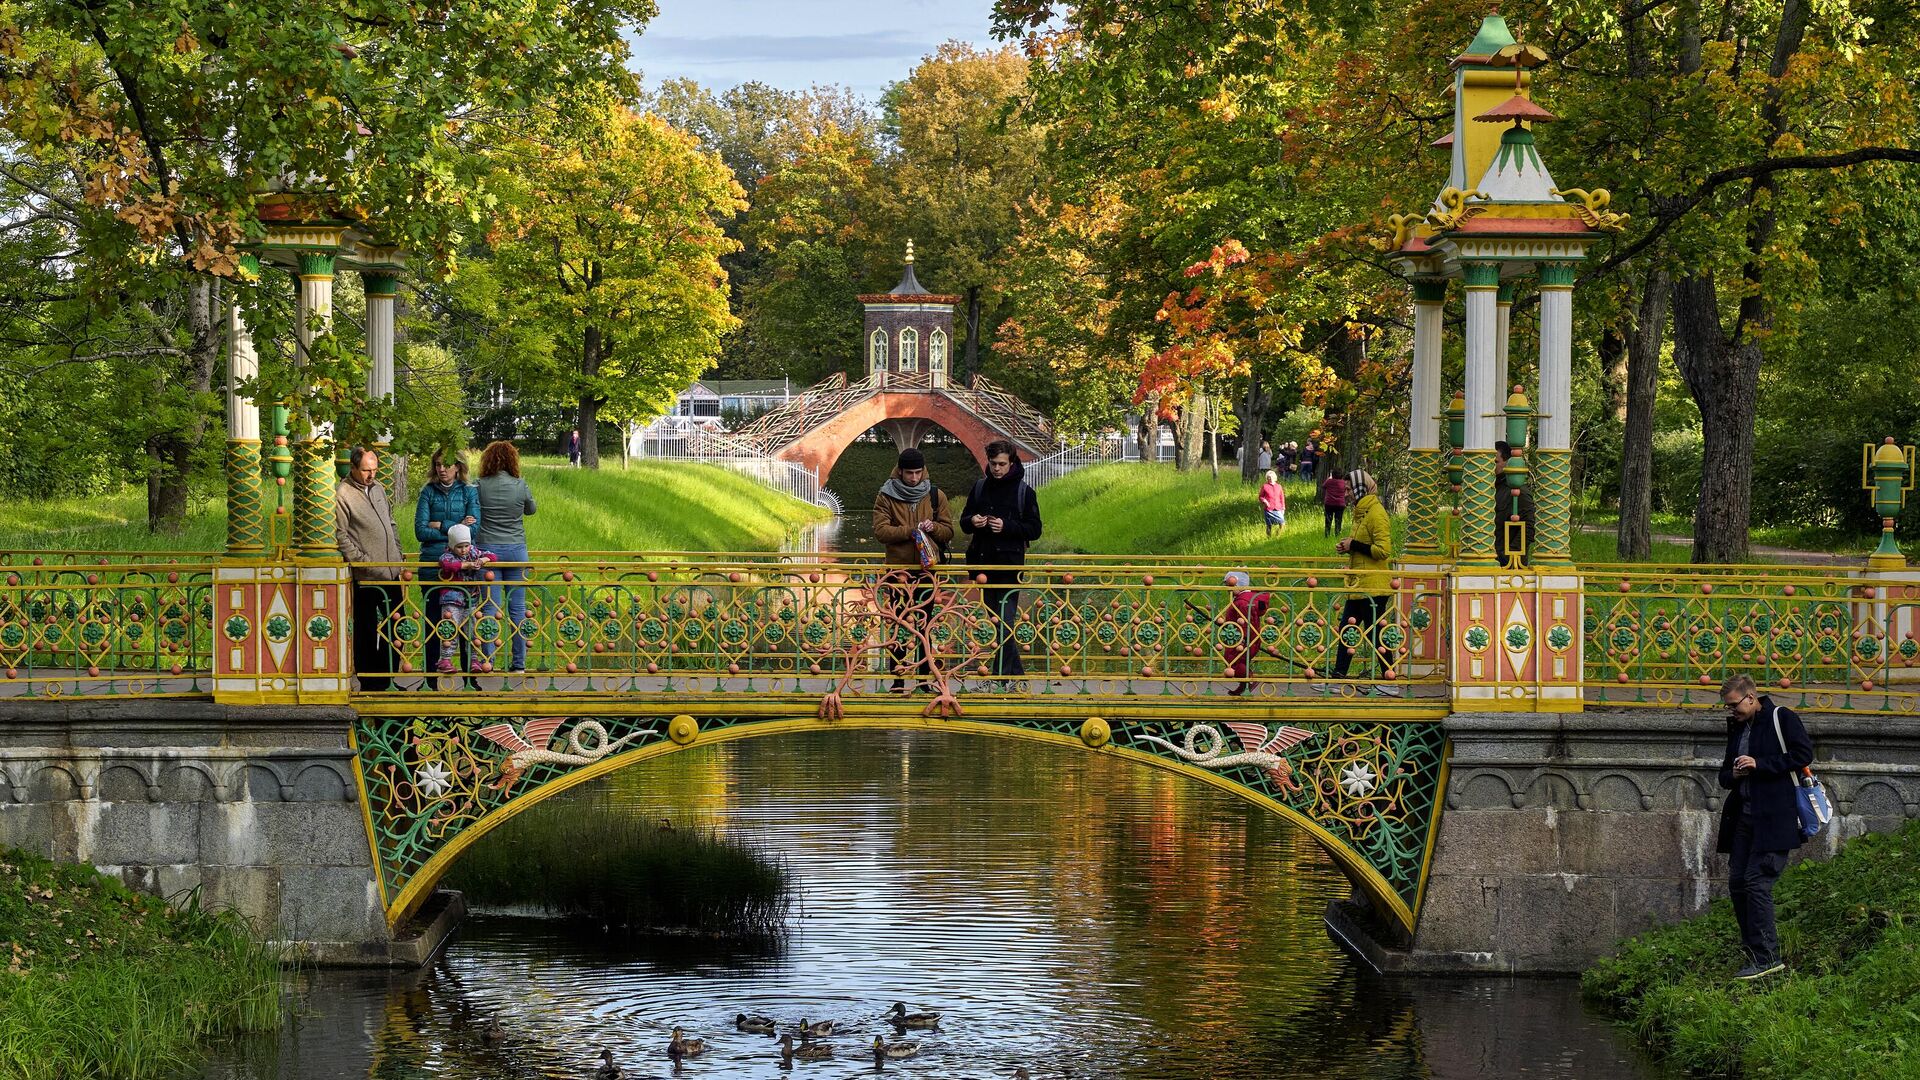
pixel 732 398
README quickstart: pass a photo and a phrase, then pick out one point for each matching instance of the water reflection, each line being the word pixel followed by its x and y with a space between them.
pixel 1075 915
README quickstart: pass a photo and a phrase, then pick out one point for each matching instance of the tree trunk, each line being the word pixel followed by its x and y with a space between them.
pixel 1724 380
pixel 1189 431
pixel 1613 368
pixel 589 419
pixel 1634 537
pixel 172 451
pixel 1252 410
pixel 973 333
pixel 1146 430
pixel 1212 421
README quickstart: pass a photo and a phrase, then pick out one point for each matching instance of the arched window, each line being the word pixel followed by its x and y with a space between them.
pixel 937 355
pixel 877 352
pixel 909 350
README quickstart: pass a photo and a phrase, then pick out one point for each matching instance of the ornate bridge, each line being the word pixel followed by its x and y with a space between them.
pixel 633 656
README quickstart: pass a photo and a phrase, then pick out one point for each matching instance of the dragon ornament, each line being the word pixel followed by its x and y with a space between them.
pixel 1453 207
pixel 1593 208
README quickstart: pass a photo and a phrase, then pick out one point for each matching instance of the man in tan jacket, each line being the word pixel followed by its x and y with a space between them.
pixel 910 513
pixel 363 528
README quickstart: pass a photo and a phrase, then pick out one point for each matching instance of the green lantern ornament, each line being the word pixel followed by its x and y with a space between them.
pixel 1886 473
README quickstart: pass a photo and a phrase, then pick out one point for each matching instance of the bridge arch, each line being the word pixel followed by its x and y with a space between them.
pixel 820 448
pixel 419 821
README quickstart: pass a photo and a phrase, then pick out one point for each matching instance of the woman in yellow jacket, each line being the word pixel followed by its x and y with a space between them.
pixel 1369 552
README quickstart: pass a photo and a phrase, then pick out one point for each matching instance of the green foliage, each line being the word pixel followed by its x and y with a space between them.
pixel 582 856
pixel 654 506
pixel 101 981
pixel 1848 1006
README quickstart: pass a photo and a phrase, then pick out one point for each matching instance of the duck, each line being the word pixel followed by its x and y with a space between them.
pixel 682 1047
pixel 903 1019
pixel 815 1031
pixel 806 1051
pixel 754 1025
pixel 494 1034
pixel 608 1070
pixel 892 1051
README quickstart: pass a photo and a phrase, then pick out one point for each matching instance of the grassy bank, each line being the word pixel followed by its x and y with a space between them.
pixel 651 505
pixel 1848 1007
pixel 101 981
pixel 579 857
pixel 1127 508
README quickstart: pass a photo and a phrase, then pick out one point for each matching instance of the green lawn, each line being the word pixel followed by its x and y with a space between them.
pixel 1129 508
pixel 649 506
pixel 1848 1007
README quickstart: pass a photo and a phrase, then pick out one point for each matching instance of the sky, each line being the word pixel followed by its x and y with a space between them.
pixel 794 44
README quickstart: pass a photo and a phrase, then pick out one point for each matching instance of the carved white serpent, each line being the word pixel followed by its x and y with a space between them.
pixel 576 753
pixel 1211 749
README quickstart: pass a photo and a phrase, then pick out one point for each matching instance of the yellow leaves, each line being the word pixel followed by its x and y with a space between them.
pixel 186 42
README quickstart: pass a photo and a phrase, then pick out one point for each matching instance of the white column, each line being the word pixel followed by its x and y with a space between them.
pixel 1556 364
pixel 243 363
pixel 381 290
pixel 1484 396
pixel 1428 307
pixel 1504 322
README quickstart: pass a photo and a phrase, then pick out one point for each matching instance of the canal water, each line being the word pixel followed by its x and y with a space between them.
pixel 1075 915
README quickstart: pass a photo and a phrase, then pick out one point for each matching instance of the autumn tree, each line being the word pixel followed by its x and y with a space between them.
pixel 605 262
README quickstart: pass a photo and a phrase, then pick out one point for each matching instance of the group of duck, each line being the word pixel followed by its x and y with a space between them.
pixel 681 1048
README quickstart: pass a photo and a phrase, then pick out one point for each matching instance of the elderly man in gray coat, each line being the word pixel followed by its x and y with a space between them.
pixel 363 528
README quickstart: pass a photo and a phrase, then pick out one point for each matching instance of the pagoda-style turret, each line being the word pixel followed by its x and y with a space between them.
pixel 909 332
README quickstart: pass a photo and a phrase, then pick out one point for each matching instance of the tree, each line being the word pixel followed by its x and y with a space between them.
pixel 961 169
pixel 608 248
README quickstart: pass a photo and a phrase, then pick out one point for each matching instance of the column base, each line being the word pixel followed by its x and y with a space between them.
pixel 1516 641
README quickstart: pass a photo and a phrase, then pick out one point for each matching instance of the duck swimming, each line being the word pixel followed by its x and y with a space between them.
pixel 892 1051
pixel 608 1070
pixel 494 1034
pixel 815 1031
pixel 756 1025
pixel 680 1046
pixel 903 1019
pixel 805 1051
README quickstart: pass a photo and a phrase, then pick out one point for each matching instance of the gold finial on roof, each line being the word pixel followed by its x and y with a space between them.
pixel 909 251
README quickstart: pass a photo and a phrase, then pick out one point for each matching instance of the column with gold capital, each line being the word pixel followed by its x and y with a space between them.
pixel 1484 399
pixel 1553 465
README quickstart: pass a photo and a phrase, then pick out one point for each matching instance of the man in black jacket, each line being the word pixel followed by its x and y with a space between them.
pixel 1002 517
pixel 1760 823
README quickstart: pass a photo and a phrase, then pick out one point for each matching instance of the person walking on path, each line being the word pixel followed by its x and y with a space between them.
pixel 1309 459
pixel 445 501
pixel 1273 501
pixel 1002 517
pixel 363 530
pixel 915 522
pixel 1333 500
pixel 1369 552
pixel 1265 461
pixel 505 503
pixel 573 448
pixel 1767 746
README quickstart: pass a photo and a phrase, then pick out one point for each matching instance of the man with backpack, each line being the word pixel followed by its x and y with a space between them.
pixel 1002 517
pixel 1767 747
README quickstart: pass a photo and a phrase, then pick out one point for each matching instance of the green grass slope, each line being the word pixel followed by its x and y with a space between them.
pixel 653 505
pixel 1144 508
pixel 1848 1007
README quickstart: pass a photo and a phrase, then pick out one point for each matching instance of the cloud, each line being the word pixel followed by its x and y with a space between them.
pixel 777 48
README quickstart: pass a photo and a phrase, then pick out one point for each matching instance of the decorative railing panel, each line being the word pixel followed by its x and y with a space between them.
pixel 106 628
pixel 1815 638
pixel 847 627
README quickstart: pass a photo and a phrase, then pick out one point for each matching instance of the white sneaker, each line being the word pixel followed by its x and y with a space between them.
pixel 1324 688
pixel 1389 690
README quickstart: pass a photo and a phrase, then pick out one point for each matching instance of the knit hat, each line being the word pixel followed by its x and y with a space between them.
pixel 459 534
pixel 1239 579
pixel 912 458
pixel 1359 480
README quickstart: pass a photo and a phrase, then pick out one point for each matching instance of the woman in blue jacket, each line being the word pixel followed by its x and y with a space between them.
pixel 445 501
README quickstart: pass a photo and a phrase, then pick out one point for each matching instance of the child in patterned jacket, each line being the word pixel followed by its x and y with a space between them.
pixel 462 562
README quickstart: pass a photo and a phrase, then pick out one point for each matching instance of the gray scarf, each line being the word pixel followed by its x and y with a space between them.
pixel 901 492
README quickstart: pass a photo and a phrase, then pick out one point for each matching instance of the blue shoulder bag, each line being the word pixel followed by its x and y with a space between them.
pixel 1809 795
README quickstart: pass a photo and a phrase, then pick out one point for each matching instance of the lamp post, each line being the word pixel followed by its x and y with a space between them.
pixel 1886 473
pixel 1514 471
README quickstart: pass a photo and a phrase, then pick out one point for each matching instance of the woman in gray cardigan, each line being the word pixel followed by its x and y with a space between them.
pixel 505 500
